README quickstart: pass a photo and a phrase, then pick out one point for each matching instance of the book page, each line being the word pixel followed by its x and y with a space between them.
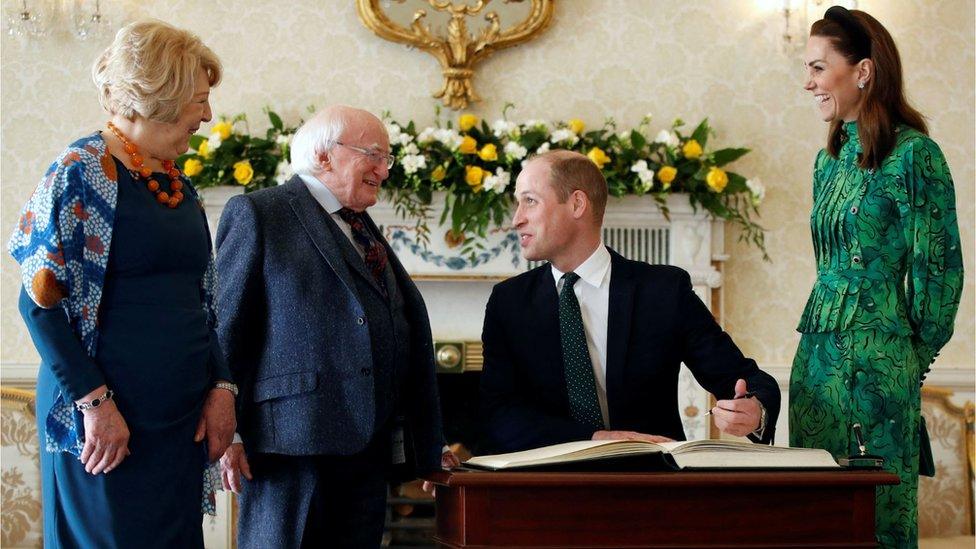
pixel 782 458
pixel 566 452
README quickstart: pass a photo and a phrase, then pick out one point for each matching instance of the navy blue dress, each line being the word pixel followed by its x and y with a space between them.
pixel 154 351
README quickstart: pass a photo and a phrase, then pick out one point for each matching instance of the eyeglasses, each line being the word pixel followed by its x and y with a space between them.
pixel 374 157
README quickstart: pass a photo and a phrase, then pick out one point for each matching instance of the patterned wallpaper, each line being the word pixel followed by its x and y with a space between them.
pixel 599 59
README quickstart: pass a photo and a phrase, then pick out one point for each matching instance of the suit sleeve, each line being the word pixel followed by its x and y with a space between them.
pixel 240 294
pixel 512 419
pixel 716 362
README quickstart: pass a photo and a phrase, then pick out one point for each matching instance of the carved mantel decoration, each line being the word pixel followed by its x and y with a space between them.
pixel 457 50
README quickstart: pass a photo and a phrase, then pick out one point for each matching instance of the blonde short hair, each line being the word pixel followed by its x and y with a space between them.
pixel 150 70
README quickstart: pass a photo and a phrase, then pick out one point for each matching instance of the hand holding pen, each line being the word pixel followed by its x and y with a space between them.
pixel 739 415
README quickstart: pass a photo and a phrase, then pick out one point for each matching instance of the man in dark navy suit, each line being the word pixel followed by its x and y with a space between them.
pixel 588 346
pixel 330 343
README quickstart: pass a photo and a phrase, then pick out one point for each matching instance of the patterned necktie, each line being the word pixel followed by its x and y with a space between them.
pixel 375 253
pixel 580 382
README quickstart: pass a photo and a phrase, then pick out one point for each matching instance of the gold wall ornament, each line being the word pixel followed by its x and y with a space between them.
pixel 457 50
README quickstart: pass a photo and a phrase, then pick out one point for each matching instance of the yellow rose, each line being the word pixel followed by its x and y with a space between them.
pixel 598 157
pixel 467 121
pixel 243 172
pixel 468 145
pixel 192 167
pixel 576 125
pixel 224 128
pixel 204 148
pixel 692 149
pixel 488 153
pixel 717 179
pixel 438 174
pixel 473 175
pixel 666 175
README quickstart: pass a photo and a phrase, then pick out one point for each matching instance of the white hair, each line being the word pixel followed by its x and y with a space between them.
pixel 316 137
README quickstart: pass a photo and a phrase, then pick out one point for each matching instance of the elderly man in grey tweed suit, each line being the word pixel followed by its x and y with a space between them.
pixel 330 343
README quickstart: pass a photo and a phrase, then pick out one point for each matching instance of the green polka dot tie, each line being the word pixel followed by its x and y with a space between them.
pixel 580 383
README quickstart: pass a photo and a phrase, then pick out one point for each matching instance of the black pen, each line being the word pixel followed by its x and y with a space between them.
pixel 749 394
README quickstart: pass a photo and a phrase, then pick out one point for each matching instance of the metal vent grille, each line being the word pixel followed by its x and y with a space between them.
pixel 650 245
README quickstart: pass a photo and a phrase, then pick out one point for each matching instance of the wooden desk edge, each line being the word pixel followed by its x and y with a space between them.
pixel 668 478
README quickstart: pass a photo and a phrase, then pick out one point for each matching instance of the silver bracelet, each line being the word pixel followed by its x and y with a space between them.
pixel 96 402
pixel 226 385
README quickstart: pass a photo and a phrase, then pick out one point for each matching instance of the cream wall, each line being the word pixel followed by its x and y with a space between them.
pixel 600 58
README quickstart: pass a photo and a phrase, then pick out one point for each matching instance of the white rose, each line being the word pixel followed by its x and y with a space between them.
pixel 410 149
pixel 283 172
pixel 412 163
pixel 426 136
pixel 563 135
pixel 214 141
pixel 503 127
pixel 757 189
pixel 515 150
pixel 450 138
pixel 644 173
pixel 497 182
pixel 544 148
pixel 667 138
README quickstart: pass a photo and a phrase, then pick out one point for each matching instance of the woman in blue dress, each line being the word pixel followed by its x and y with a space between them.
pixel 133 399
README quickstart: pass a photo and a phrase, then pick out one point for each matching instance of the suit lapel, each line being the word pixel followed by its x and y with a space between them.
pixel 618 327
pixel 312 218
pixel 543 312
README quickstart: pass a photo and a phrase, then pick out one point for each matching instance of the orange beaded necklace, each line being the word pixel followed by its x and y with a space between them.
pixel 175 184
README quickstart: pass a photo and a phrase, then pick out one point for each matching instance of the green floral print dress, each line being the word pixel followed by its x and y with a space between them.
pixel 889 277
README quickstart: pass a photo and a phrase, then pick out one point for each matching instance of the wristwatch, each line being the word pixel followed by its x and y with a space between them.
pixel 762 421
pixel 226 385
pixel 95 402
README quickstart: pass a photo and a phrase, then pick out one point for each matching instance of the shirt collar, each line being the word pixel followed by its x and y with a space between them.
pixel 593 271
pixel 321 193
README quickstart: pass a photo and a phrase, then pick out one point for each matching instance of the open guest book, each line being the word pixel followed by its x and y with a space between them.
pixel 694 454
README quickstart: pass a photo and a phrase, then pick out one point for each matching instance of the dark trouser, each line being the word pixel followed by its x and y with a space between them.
pixel 315 501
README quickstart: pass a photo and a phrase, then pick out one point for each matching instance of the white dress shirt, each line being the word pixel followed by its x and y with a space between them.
pixel 593 293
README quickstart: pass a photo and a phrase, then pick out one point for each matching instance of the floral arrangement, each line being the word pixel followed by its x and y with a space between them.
pixel 476 163
pixel 229 156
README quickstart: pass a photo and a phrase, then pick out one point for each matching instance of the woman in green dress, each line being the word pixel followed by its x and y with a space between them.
pixel 889 265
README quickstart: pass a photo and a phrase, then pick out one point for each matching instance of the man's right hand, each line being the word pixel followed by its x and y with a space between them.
pixel 233 464
pixel 629 435
pixel 106 436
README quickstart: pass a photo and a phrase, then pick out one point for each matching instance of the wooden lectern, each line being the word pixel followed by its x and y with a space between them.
pixel 662 509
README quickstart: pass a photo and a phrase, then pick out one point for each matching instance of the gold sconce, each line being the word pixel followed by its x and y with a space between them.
pixel 798 15
pixel 457 49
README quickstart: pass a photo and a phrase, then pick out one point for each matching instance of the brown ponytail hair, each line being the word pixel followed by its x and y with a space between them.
pixel 883 103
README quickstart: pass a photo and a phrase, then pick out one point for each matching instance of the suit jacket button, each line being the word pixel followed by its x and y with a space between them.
pixel 360 321
pixel 365 371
